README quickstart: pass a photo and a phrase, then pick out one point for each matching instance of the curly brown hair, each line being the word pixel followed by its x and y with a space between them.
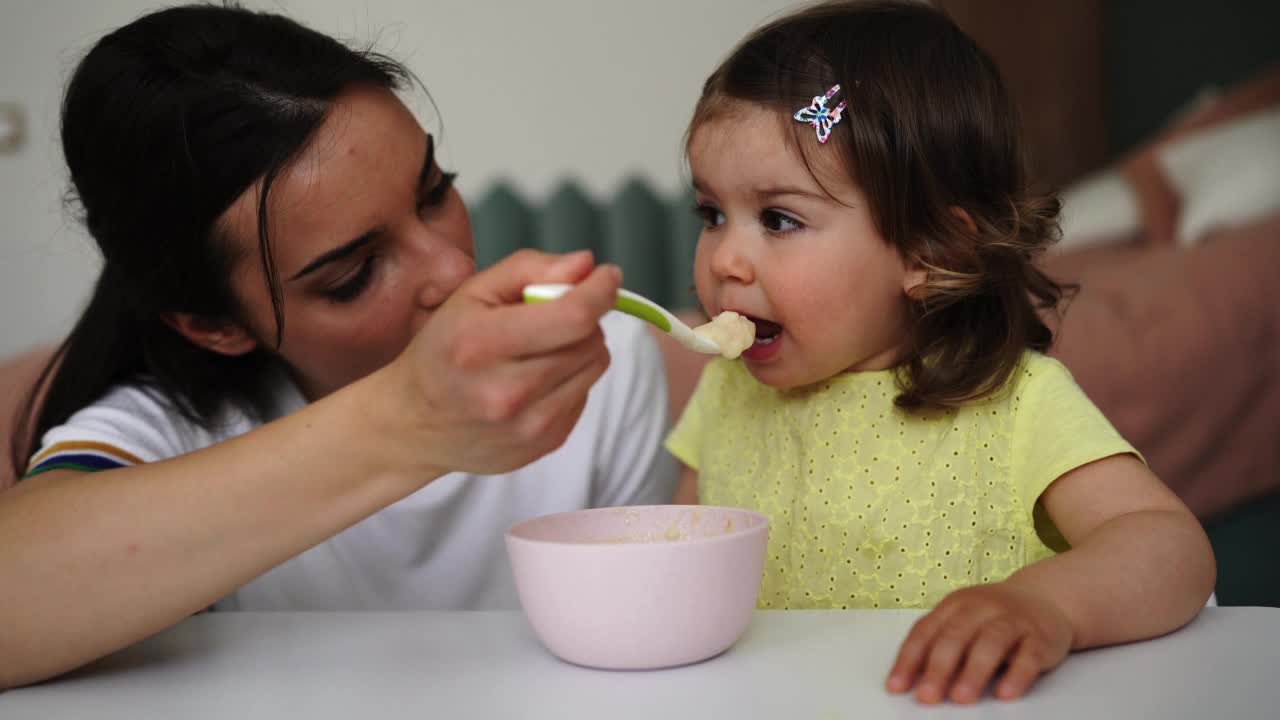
pixel 928 130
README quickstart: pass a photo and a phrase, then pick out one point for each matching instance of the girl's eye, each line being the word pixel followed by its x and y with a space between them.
pixel 435 196
pixel 711 216
pixel 351 288
pixel 779 222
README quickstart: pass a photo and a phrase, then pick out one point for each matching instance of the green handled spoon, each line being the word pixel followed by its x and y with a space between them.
pixel 639 306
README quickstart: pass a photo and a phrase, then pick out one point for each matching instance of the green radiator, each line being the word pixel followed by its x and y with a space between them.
pixel 650 235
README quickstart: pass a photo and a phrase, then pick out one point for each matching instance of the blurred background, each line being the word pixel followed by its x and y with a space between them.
pixel 599 91
pixel 1158 120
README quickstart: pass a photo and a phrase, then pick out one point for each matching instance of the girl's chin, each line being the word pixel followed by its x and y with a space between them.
pixel 773 375
pixel 782 374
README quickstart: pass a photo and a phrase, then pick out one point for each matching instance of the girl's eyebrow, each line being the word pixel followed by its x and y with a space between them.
pixel 764 194
pixel 767 193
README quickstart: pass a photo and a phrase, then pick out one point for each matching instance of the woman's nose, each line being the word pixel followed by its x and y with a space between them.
pixel 444 270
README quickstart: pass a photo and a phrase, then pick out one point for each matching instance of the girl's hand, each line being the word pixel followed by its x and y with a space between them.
pixel 955 651
pixel 490 384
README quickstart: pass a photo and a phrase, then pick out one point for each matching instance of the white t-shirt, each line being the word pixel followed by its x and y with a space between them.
pixel 442 547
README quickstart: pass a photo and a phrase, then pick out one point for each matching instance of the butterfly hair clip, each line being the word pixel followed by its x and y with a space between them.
pixel 820 116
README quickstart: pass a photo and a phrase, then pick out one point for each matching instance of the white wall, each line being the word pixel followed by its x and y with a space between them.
pixel 530 91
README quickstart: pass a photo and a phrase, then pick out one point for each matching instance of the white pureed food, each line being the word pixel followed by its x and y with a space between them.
pixel 729 330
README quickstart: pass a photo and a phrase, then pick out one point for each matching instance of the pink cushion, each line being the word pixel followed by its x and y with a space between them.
pixel 17 375
pixel 1158 200
pixel 1181 348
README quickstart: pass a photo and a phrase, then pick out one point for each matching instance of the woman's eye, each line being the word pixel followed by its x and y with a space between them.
pixel 711 216
pixel 351 288
pixel 778 222
pixel 436 194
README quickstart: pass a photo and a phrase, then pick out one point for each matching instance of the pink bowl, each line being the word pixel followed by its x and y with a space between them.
pixel 634 588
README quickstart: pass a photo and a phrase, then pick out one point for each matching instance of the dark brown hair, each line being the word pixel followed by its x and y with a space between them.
pixel 165 122
pixel 928 127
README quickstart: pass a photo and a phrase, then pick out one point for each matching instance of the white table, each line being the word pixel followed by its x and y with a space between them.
pixel 817 665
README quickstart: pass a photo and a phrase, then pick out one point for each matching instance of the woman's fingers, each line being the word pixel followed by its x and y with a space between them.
pixel 518 331
pixel 503 283
pixel 519 384
pixel 500 382
pixel 549 420
pixel 521 331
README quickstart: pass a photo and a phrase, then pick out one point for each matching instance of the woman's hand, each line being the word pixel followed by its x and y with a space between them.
pixel 956 650
pixel 493 383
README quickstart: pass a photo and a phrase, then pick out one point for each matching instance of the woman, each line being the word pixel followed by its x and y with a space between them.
pixel 288 375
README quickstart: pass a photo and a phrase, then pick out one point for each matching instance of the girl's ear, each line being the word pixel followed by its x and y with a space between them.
pixel 963 216
pixel 913 281
pixel 220 336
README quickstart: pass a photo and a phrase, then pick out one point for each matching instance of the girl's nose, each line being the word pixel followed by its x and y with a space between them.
pixel 730 260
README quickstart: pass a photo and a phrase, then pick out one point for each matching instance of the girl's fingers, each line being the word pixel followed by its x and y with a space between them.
pixel 915 648
pixel 1024 667
pixel 943 661
pixel 957 649
pixel 947 652
pixel 994 643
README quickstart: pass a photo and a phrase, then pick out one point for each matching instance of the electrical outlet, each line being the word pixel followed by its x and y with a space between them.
pixel 12 127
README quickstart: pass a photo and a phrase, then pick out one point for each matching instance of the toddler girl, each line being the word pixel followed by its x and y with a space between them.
pixel 858 171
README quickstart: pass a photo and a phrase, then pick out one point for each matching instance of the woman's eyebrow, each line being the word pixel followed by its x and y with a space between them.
pixel 428 162
pixel 337 253
pixel 352 247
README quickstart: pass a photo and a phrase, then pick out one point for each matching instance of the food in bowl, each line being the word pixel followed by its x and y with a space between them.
pixel 634 588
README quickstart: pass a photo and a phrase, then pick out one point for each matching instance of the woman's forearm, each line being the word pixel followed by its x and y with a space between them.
pixel 91 562
pixel 1136 576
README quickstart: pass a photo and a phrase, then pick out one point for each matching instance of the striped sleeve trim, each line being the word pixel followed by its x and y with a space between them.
pixel 80 455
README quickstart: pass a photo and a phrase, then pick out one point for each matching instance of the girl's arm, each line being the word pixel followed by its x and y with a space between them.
pixel 1139 566
pixel 687 487
pixel 91 562
pixel 1147 560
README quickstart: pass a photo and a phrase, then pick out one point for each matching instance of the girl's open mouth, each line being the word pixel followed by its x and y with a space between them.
pixel 766 345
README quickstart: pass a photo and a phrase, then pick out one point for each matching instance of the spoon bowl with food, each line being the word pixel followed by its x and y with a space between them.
pixel 727 334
